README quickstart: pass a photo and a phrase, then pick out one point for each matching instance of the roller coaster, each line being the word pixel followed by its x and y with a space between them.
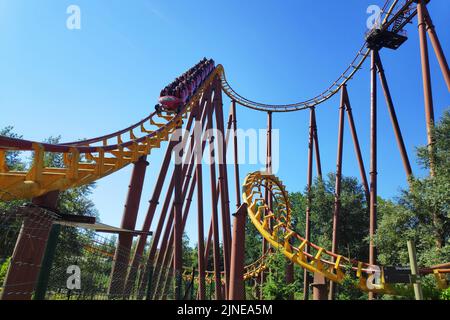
pixel 262 197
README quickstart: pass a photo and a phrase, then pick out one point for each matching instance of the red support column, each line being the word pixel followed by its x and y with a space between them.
pixel 352 126
pixel 289 276
pixel 201 237
pixel 208 243
pixel 267 195
pixel 178 229
pixel 319 287
pixel 393 115
pixel 427 92
pixel 125 241
pixel 153 203
pixel 373 162
pixel 316 144
pixel 216 248
pixel 223 182
pixel 308 202
pixel 237 287
pixel 437 46
pixel 236 158
pixel 337 191
pixel 163 254
pixel 30 246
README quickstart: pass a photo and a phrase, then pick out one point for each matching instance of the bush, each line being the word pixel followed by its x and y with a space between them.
pixel 4 270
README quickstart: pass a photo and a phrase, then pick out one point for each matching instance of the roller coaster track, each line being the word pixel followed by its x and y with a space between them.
pixel 347 74
pixel 89 160
pixel 274 225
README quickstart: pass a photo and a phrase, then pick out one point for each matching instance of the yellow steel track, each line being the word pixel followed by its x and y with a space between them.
pixel 90 160
pixel 274 225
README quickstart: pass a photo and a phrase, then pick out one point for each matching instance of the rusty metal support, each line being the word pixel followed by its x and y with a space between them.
pixel 352 126
pixel 152 266
pixel 393 115
pixel 208 243
pixel 167 252
pixel 236 157
pixel 319 287
pixel 178 229
pixel 223 183
pixel 163 255
pixel 373 161
pixel 316 145
pixel 200 226
pixel 215 222
pixel 437 46
pixel 289 276
pixel 267 195
pixel 153 203
pixel 337 191
pixel 237 287
pixel 26 259
pixel 125 241
pixel 169 255
pixel 427 91
pixel 308 201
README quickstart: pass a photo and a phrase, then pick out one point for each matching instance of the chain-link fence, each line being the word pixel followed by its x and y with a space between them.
pixel 83 265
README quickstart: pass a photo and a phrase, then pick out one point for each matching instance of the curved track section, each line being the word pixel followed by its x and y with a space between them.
pixel 273 223
pixel 388 19
pixel 88 160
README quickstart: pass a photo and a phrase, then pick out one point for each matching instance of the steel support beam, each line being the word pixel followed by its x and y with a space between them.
pixel 26 259
pixel 393 115
pixel 316 144
pixel 308 201
pixel 167 250
pixel 373 161
pixel 163 256
pixel 236 156
pixel 200 226
pixel 437 46
pixel 125 241
pixel 215 217
pixel 267 195
pixel 427 91
pixel 338 180
pixel 153 203
pixel 178 229
pixel 223 182
pixel 355 139
pixel 237 287
pixel 319 287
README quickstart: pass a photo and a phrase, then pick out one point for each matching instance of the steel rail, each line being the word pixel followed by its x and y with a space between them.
pixel 333 267
pixel 329 92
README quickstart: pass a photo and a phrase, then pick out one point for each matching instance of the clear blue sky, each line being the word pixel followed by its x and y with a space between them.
pixel 88 82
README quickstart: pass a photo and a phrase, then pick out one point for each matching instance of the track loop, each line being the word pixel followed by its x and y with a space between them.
pixel 273 221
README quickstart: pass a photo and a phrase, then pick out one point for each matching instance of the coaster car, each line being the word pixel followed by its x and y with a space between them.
pixel 169 104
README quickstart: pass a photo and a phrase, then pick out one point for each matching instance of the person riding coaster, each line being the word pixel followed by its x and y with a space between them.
pixel 169 104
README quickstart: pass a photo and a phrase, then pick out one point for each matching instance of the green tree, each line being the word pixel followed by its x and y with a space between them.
pixel 421 213
pixel 275 287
